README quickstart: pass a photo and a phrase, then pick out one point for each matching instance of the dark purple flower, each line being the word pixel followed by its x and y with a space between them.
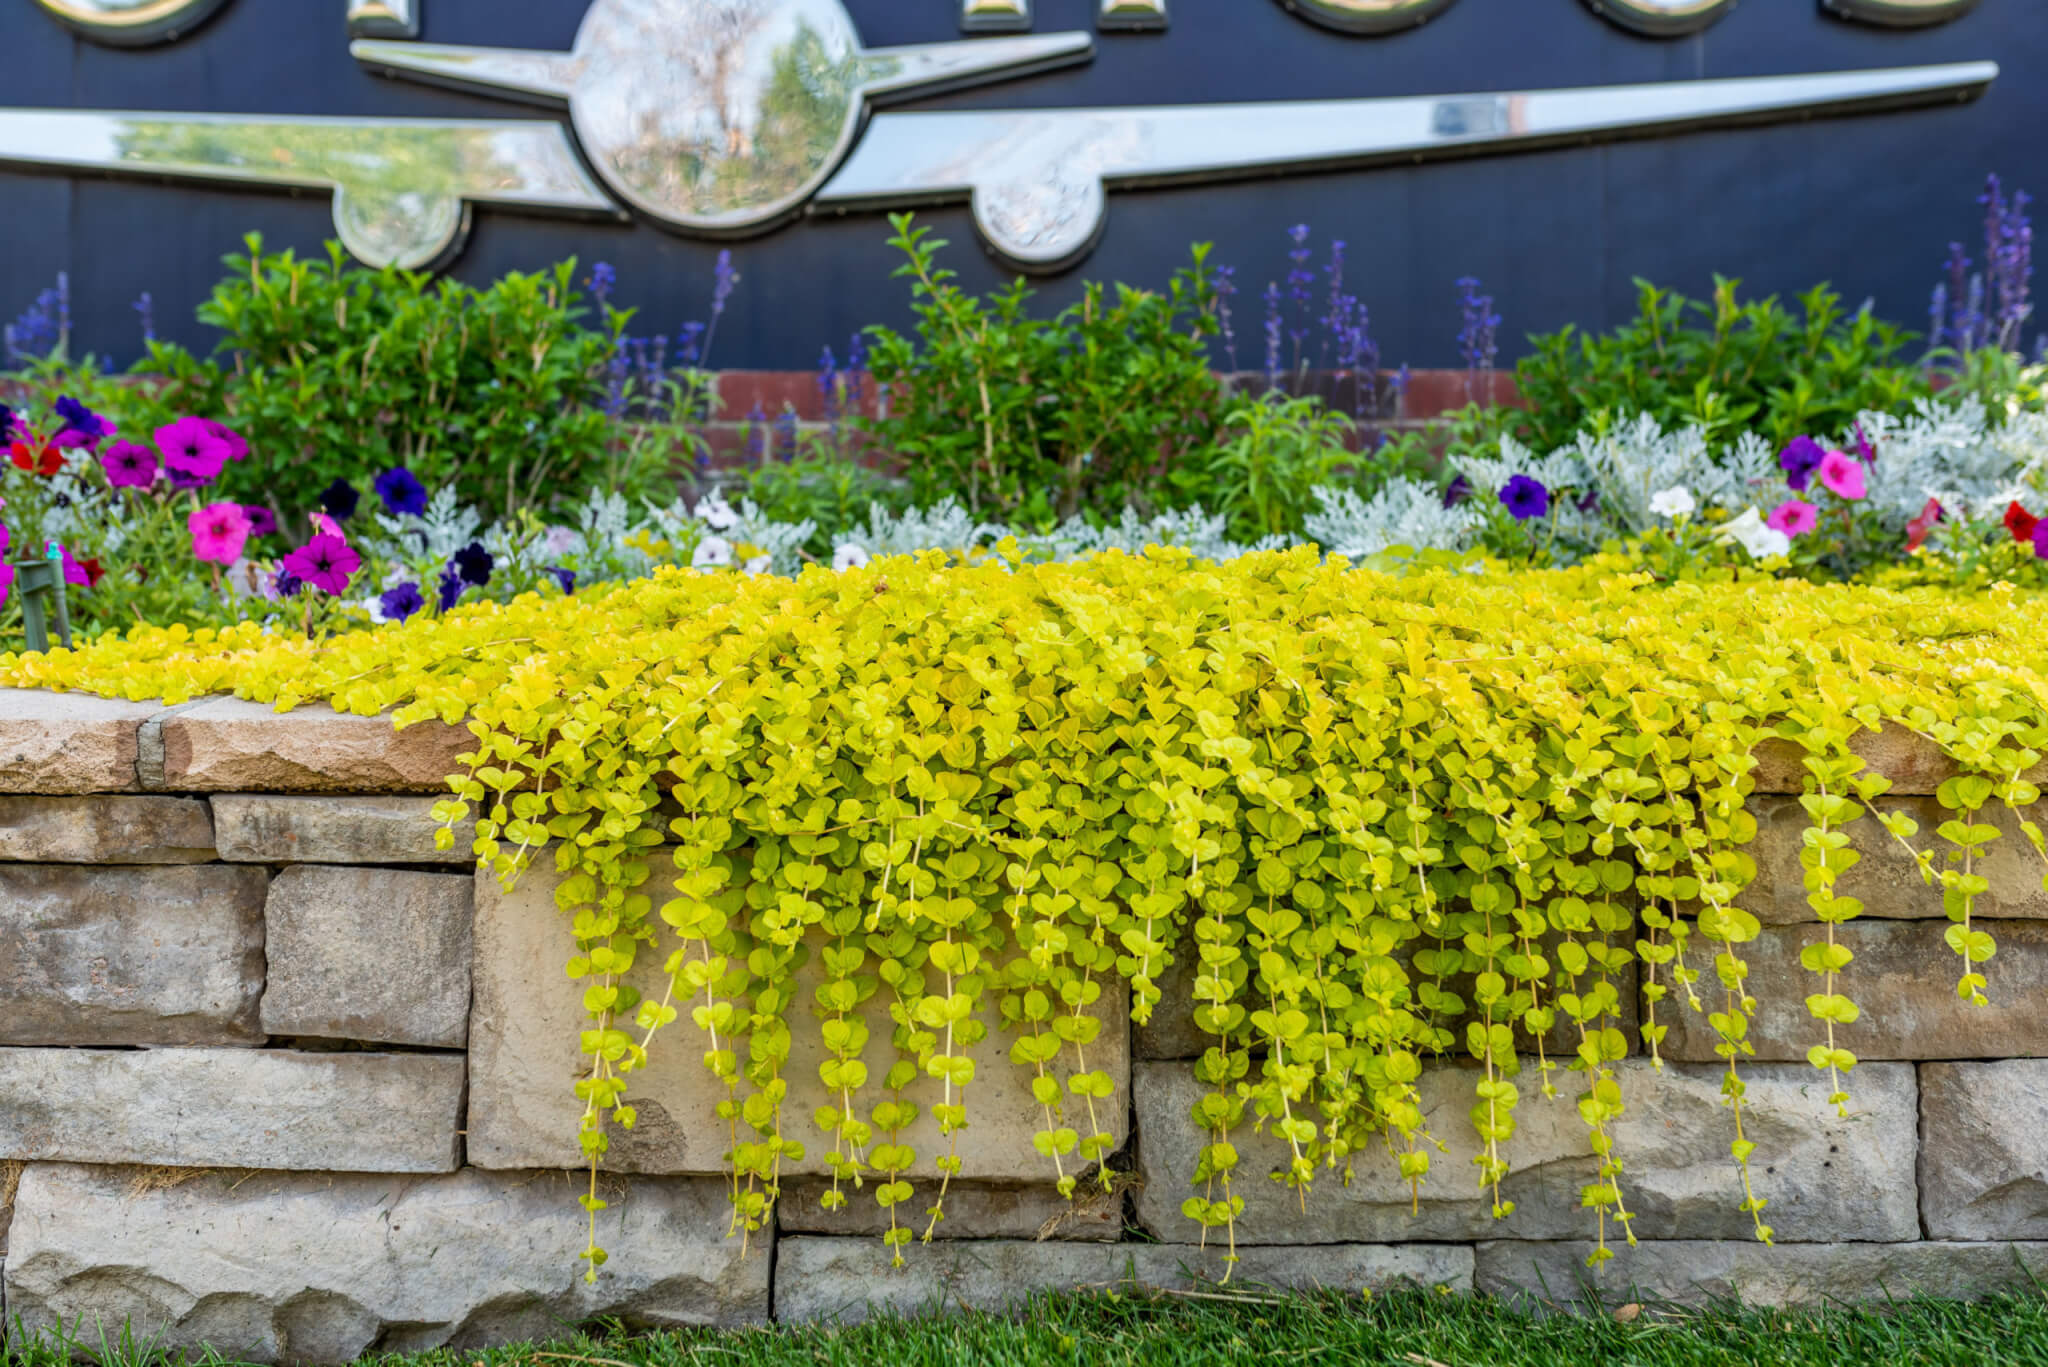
pixel 828 388
pixel 1524 498
pixel 449 589
pixel 82 420
pixel 402 492
pixel 473 564
pixel 399 603
pixel 855 371
pixel 338 500
pixel 1800 458
pixel 1589 500
pixel 1864 449
pixel 564 576
pixel 1460 489
pixel 618 370
pixel 690 346
pixel 2009 260
pixel 785 433
pixel 262 522
pixel 1299 280
pixel 602 281
pixel 287 583
pixel 184 479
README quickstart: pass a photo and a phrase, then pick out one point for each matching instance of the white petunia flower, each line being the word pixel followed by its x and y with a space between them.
pixel 375 606
pixel 759 564
pixel 713 552
pixel 849 555
pixel 1754 535
pixel 1674 503
pixel 714 512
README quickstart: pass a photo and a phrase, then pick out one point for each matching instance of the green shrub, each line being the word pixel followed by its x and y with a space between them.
pixel 333 371
pixel 1724 364
pixel 1032 420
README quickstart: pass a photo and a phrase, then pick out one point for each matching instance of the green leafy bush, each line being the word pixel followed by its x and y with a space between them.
pixel 1271 454
pixel 333 371
pixel 1723 364
pixel 1032 419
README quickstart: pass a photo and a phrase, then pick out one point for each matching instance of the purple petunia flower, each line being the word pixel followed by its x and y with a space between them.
pixel 449 588
pixel 82 420
pixel 262 522
pixel 564 576
pixel 401 602
pixel 338 500
pixel 1524 498
pixel 473 564
pixel 286 583
pixel 191 448
pixel 1460 489
pixel 129 465
pixel 1800 458
pixel 402 492
pixel 238 448
pixel 325 562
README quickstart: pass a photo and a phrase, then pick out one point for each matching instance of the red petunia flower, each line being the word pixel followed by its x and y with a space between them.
pixel 2020 523
pixel 37 456
pixel 1918 529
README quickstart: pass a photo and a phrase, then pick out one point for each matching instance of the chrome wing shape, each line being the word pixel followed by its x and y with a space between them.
pixel 1038 180
pixel 402 188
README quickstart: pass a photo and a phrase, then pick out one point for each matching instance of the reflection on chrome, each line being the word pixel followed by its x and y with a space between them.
pixel 720 116
pixel 1141 16
pixel 1038 179
pixel 1903 13
pixel 402 187
pixel 1662 18
pixel 132 23
pixel 995 16
pixel 1368 16
pixel 383 18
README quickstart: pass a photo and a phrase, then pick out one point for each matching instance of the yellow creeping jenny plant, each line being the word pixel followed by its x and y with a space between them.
pixel 1392 818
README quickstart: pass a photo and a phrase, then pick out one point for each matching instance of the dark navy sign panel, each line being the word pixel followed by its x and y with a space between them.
pixel 1869 202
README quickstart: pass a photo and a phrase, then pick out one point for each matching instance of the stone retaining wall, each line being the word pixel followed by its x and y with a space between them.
pixel 279 1077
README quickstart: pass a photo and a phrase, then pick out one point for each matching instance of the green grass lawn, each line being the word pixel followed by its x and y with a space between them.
pixel 1412 1329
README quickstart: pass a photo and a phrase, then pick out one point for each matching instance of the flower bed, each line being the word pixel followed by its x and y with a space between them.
pixel 1386 819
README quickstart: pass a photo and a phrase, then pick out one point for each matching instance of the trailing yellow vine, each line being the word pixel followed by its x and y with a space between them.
pixel 1390 817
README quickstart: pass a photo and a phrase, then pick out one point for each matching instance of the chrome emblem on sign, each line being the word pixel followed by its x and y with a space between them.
pixel 728 117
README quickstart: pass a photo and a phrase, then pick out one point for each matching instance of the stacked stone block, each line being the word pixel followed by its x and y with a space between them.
pixel 280 1077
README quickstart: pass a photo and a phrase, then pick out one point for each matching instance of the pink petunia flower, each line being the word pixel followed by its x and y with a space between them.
pixel 325 562
pixel 1794 517
pixel 1921 527
pixel 218 532
pixel 1843 475
pixel 192 449
pixel 323 525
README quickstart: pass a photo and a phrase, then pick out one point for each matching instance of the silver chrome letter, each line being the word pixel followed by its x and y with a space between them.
pixel 995 16
pixel 1662 18
pixel 383 18
pixel 1368 16
pixel 132 23
pixel 1902 13
pixel 1132 16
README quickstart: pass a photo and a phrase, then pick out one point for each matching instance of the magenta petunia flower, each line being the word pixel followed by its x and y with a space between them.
pixel 190 449
pixel 238 447
pixel 6 570
pixel 2041 538
pixel 325 562
pixel 1842 475
pixel 219 531
pixel 129 465
pixel 1794 517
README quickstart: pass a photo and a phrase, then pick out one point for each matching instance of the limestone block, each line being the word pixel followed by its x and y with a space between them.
pixel 1693 1272
pixel 325 1268
pixel 1984 1149
pixel 136 955
pixel 1913 763
pixel 69 742
pixel 233 1108
pixel 974 1210
pixel 106 830
pixel 381 955
pixel 524 1064
pixel 233 745
pixel 1903 978
pixel 1887 878
pixel 1825 1178
pixel 272 828
pixel 849 1279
